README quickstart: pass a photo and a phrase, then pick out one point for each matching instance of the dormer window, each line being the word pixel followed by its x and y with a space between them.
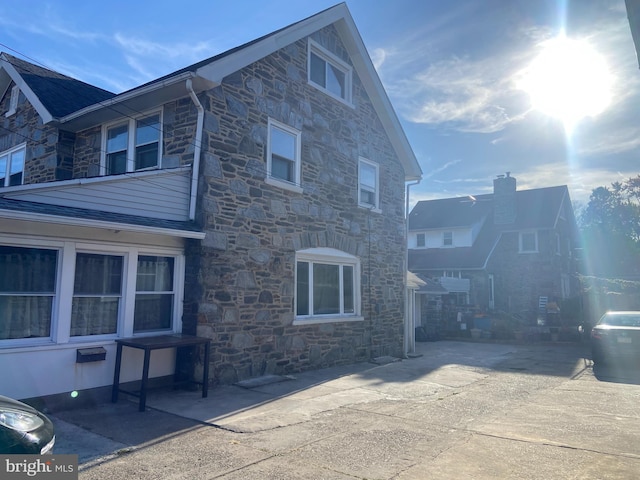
pixel 133 145
pixel 13 101
pixel 328 73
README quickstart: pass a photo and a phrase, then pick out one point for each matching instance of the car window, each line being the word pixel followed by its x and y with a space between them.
pixel 621 320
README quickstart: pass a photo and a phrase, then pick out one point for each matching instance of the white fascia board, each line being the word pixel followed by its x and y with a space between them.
pixel 24 88
pixel 231 63
pixel 83 222
pixel 378 95
pixel 128 96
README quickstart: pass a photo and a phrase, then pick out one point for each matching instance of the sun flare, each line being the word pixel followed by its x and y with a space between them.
pixel 568 80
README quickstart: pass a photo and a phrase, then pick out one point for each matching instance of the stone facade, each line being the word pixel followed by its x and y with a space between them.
pixel 240 280
pixel 246 264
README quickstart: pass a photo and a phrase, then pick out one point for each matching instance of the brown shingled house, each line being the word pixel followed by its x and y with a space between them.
pixel 509 254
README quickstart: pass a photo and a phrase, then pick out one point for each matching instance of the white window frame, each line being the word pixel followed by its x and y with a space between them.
pixel 376 189
pixel 63 298
pixel 328 256
pixel 131 124
pixel 297 161
pixel 13 101
pixel 332 60
pixel 447 234
pixel 9 154
pixel 424 240
pixel 521 236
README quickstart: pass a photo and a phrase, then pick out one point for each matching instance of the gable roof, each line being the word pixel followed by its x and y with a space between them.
pixel 210 73
pixel 535 209
pixel 52 94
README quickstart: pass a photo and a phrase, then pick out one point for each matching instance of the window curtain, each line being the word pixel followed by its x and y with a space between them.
pixel 27 290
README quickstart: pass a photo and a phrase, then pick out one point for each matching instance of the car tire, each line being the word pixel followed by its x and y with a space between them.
pixel 597 357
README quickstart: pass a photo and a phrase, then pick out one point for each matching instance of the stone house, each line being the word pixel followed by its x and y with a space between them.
pixel 255 198
pixel 508 252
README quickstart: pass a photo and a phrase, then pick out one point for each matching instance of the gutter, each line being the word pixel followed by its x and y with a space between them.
pixel 195 171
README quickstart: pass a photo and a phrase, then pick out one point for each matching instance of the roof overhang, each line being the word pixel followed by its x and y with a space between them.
pixel 98 224
pixel 134 101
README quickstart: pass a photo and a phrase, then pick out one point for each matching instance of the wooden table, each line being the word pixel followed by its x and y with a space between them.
pixel 177 340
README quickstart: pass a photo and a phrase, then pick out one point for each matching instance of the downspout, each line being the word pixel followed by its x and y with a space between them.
pixel 195 170
pixel 410 335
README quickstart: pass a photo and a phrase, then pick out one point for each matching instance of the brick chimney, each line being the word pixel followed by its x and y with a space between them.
pixel 504 199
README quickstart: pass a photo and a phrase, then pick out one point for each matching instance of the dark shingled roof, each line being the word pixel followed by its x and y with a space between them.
pixel 97 215
pixel 60 95
pixel 536 209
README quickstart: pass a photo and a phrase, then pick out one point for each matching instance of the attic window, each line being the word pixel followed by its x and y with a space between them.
pixel 13 102
pixel 328 73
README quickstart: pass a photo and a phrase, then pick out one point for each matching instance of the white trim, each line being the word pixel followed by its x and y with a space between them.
pixel 131 124
pixel 13 101
pixel 331 59
pixel 297 161
pixel 8 153
pixel 83 222
pixel 376 206
pixel 528 232
pixel 330 256
pixel 63 295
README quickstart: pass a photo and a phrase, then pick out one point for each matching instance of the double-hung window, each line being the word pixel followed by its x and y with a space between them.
pixel 327 285
pixel 328 73
pixel 27 291
pixel 133 145
pixel 12 166
pixel 369 184
pixel 97 294
pixel 447 239
pixel 421 240
pixel 283 155
pixel 155 294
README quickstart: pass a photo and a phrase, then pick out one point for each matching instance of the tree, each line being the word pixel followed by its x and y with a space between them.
pixel 610 228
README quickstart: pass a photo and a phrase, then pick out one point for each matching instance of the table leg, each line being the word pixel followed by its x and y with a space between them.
pixel 205 371
pixel 116 375
pixel 145 378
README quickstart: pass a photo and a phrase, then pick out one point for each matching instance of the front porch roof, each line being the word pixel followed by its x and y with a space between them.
pixel 83 217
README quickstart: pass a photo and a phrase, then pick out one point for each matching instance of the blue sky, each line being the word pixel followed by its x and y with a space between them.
pixel 452 69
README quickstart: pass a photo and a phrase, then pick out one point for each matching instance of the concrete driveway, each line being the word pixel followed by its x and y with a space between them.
pixel 458 410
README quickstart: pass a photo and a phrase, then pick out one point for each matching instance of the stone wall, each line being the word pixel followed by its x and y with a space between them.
pixel 243 272
pixel 47 149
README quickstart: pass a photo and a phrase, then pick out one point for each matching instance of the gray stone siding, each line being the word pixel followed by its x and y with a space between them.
pixel 243 272
pixel 48 151
pixel 526 276
pixel 179 120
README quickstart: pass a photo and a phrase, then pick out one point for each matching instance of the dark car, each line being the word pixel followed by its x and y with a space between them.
pixel 616 336
pixel 23 429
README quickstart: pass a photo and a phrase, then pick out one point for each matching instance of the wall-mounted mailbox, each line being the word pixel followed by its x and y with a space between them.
pixel 96 354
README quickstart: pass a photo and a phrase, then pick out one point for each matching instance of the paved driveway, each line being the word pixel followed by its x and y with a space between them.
pixel 460 410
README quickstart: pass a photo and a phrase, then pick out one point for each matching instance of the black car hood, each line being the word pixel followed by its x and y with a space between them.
pixel 6 402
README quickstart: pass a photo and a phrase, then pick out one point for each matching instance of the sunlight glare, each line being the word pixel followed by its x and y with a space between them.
pixel 569 80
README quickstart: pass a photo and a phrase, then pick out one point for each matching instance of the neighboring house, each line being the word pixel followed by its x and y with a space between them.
pixel 510 251
pixel 255 198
